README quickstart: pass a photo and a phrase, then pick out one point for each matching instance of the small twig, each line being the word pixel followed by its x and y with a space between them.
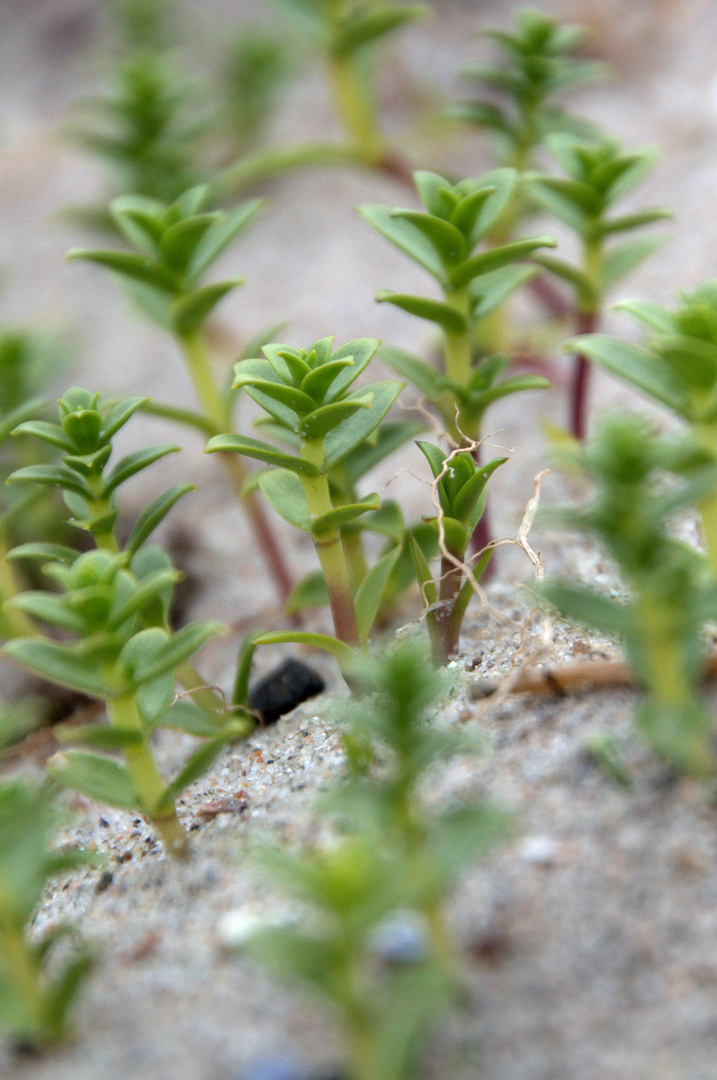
pixel 575 678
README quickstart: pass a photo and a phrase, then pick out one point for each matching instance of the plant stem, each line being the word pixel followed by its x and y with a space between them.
pixel 330 550
pixel 148 783
pixel 217 412
pixel 707 437
pixel 459 358
pixel 250 170
pixel 586 323
pixel 21 969
pixel 449 590
pixel 355 108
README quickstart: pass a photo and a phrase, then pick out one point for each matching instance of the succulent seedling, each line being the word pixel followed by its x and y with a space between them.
pixel 174 246
pixel 677 367
pixel 671 593
pixel 308 392
pixel 443 239
pixel 597 177
pixel 537 64
pixel 459 484
pixel 372 939
pixel 112 605
pixel 37 989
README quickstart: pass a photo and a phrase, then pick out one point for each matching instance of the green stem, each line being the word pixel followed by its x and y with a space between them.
pixel 459 361
pixel 330 551
pixel 22 970
pixel 707 437
pixel 250 170
pixel 355 107
pixel 148 783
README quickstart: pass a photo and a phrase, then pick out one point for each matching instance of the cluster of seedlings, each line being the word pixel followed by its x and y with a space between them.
pixel 93 614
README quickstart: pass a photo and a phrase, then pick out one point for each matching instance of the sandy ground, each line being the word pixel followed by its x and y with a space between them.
pixel 590 940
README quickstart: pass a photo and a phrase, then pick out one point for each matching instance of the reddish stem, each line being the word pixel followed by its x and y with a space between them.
pixel 586 323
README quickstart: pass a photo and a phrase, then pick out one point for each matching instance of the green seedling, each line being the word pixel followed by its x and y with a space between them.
pixel 459 487
pixel 347 34
pixel 147 127
pixel 443 239
pixel 598 176
pixel 112 606
pixel 671 592
pixel 173 247
pixel 372 938
pixel 538 64
pixel 677 367
pixel 308 392
pixel 36 991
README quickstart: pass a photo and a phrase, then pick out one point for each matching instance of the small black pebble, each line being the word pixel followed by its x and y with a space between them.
pixel 104 882
pixel 283 689
pixel 104 823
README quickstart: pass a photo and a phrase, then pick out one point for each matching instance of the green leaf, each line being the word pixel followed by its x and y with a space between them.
pixel 405 237
pixel 59 664
pixel 49 608
pixel 362 29
pixel 511 386
pixel 327 418
pixel 382 443
pixel 490 290
pixel 98 777
pixel 360 350
pixel 423 376
pixel 179 241
pixel 368 595
pixel 635 365
pixel 285 494
pixel 447 240
pixel 310 592
pixel 496 258
pixel 192 769
pixel 136 267
pixel 466 213
pixel 49 433
pixel 351 432
pixel 650 314
pixel 325 526
pixel 190 312
pixel 118 416
pixel 134 463
pixel 586 607
pixel 49 552
pixel 626 222
pixel 585 290
pixel 505 182
pixel 220 235
pixel 153 514
pixel 386 521
pixel 341 652
pixel 159 659
pixel 423 572
pixel 433 310
pixel 254 448
pixel 436 193
pixel 154 698
pixel 99 736
pixel 51 476
pixel 465 502
pixel 185 716
pixel 620 261
pixel 19 415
